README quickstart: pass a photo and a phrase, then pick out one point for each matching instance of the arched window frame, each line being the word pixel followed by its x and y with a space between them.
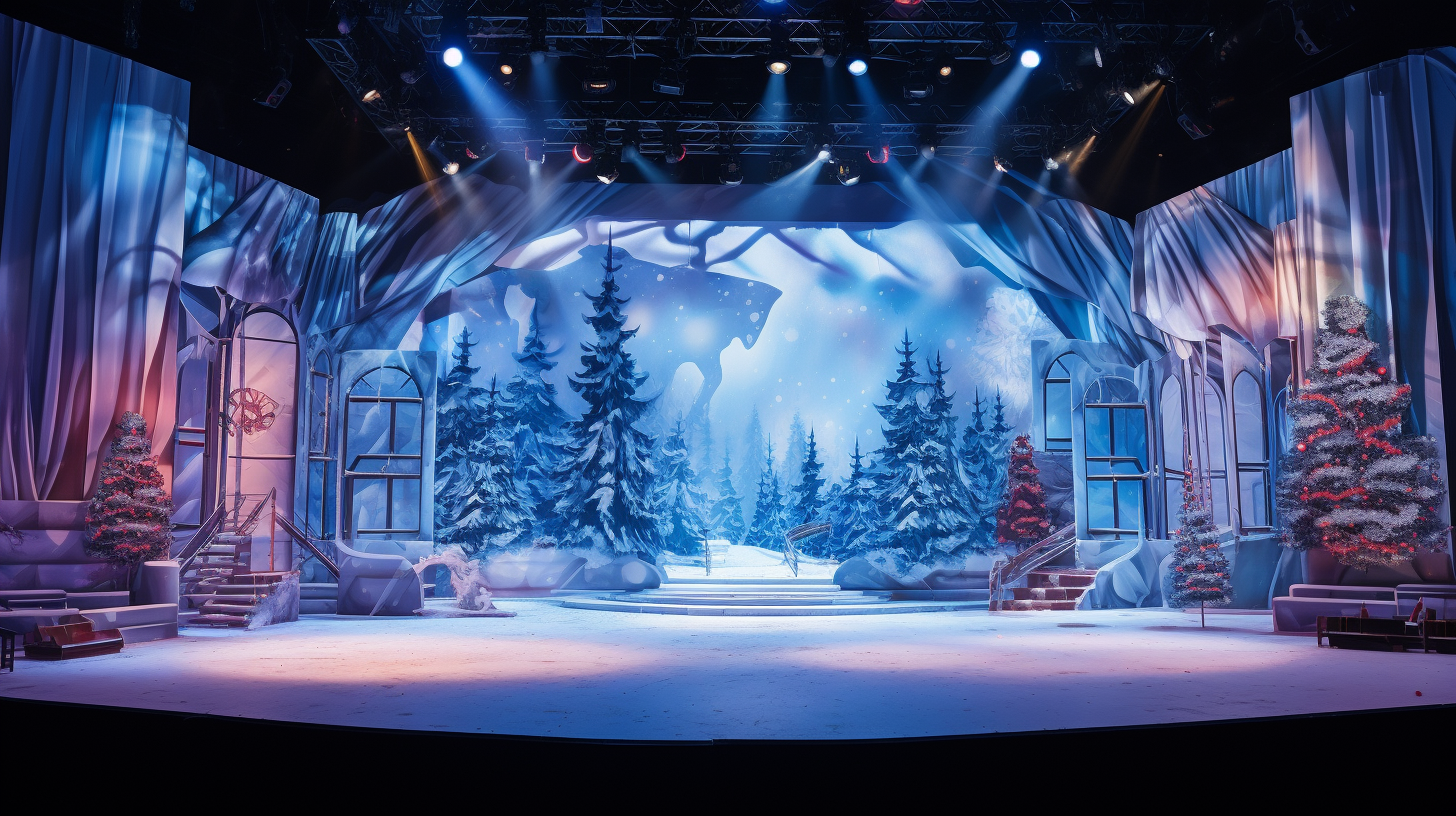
pixel 1172 423
pixel 1121 461
pixel 354 463
pixel 1215 452
pixel 1255 511
pixel 322 457
pixel 1057 373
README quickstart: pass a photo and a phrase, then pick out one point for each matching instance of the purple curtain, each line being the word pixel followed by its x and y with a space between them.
pixel 90 256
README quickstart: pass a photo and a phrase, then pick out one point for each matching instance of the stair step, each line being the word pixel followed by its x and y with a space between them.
pixel 1038 606
pixel 219 620
pixel 241 589
pixel 259 577
pixel 237 600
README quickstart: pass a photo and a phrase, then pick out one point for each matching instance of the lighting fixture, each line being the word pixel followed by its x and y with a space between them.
pixel 858 67
pixel 731 173
pixel 1194 125
pixel 582 152
pixel 671 82
pixel 1127 97
pixel 606 170
pixel 507 69
pixel 1030 58
pixel 917 88
pixel 1004 165
pixel 847 174
pixel 824 154
pixel 946 69
pixel 1050 163
pixel 451 168
pixel 452 57
pixel 878 155
pixel 1000 52
pixel 927 151
pixel 371 95
pixel 597 81
pixel 778 66
pixel 1097 56
pixel 673 150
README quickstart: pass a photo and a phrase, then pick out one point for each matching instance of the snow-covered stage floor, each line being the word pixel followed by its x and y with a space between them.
pixel 572 673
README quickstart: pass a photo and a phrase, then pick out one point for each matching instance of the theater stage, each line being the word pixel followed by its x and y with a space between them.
pixel 559 672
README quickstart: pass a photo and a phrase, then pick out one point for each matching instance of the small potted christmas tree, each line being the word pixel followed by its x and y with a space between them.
pixel 1353 484
pixel 1022 519
pixel 129 520
pixel 1201 573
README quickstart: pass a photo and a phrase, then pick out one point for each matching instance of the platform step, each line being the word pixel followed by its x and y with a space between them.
pixel 318 606
pixel 1038 606
pixel 1061 578
pixel 807 599
pixel 210 619
pixel 1051 593
pixel 318 591
pixel 879 608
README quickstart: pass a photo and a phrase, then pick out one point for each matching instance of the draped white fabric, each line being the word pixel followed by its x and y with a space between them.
pixel 89 257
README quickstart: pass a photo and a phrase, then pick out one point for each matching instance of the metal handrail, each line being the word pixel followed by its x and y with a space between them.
pixel 199 539
pixel 252 519
pixel 1015 568
pixel 308 544
pixel 796 534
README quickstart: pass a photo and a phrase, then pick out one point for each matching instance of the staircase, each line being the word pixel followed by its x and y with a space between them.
pixel 1048 589
pixel 770 597
pixel 215 574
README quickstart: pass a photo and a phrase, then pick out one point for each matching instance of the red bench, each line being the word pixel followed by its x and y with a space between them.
pixel 74 636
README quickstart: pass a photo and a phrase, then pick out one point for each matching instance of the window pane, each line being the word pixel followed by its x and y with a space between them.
pixel 1170 412
pixel 1126 468
pixel 368 503
pixel 1099 504
pixel 316 475
pixel 1173 500
pixel 1254 498
pixel 1130 433
pixel 406 504
pixel 1220 502
pixel 1099 467
pixel 318 401
pixel 1248 419
pixel 1129 504
pixel 407 427
pixel 1059 411
pixel 1059 369
pixel 368 429
pixel 1099 442
pixel 1213 414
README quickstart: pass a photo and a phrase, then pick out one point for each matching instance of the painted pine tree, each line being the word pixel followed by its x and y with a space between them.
pixel 998 441
pixel 807 502
pixel 794 450
pixel 678 500
pixel 492 512
pixel 1022 519
pixel 457 425
pixel 979 477
pixel 538 419
pixel 130 517
pixel 769 515
pixel 1353 484
pixel 726 520
pixel 750 468
pixel 950 529
pixel 606 469
pixel 1201 573
pixel 854 514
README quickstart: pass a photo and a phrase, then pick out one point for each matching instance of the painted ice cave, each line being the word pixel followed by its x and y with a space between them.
pixel 711 400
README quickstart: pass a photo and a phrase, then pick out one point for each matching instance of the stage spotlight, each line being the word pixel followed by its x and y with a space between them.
pixel 1030 58
pixel 946 69
pixel 606 170
pixel 1000 52
pixel 927 151
pixel 673 150
pixel 858 67
pixel 878 155
pixel 1050 163
pixel 507 69
pixel 1194 125
pixel 731 173
pixel 451 168
pixel 670 82
pixel 597 81
pixel 824 154
pixel 452 57
pixel 1097 55
pixel 917 88
pixel 1127 97
pixel 371 95
pixel 778 66
pixel 1004 165
pixel 847 174
pixel 582 152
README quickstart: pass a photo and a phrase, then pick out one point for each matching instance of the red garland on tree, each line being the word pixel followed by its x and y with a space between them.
pixel 1353 484
pixel 129 520
pixel 1022 517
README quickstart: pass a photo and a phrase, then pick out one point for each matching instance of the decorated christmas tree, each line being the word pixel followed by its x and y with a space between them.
pixel 1201 573
pixel 853 513
pixel 726 519
pixel 492 511
pixel 769 513
pixel 678 500
pixel 129 520
pixel 1022 519
pixel 807 499
pixel 1353 484
pixel 606 471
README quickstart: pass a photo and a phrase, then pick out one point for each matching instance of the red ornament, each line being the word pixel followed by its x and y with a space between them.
pixel 1300 446
pixel 1380 371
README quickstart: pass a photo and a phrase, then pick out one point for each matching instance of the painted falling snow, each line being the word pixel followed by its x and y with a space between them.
pixel 707 405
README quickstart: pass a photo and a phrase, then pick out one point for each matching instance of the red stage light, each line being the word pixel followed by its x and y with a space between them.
pixel 582 153
pixel 878 156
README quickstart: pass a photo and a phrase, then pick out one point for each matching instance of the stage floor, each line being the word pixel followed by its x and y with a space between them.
pixel 575 673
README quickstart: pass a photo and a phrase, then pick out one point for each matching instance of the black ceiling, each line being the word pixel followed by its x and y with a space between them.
pixel 1234 64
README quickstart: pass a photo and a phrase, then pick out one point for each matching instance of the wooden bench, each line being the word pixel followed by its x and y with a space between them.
pixel 74 636
pixel 1386 634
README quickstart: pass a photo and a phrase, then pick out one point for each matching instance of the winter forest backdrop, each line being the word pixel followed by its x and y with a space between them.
pixel 728 407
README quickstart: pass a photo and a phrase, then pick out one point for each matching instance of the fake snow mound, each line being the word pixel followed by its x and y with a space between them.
pixel 736 561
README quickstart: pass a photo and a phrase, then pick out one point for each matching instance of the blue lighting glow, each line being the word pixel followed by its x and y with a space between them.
pixel 1030 58
pixel 453 57
pixel 858 67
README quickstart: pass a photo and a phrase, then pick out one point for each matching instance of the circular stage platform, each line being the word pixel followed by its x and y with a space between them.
pixel 772 597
